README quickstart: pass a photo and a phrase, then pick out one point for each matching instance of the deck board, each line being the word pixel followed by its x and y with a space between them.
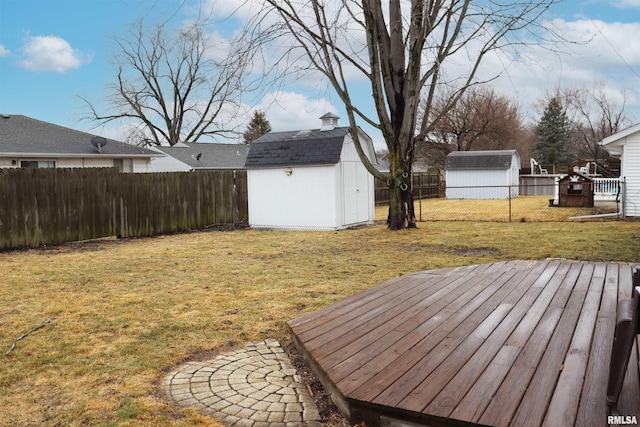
pixel 385 335
pixel 375 371
pixel 508 343
pixel 535 329
pixel 449 337
pixel 393 384
pixel 379 321
pixel 537 381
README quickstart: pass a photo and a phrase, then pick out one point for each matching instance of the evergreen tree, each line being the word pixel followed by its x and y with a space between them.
pixel 553 135
pixel 258 126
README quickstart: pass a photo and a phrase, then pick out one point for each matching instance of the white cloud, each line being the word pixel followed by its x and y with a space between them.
pixel 596 50
pixel 50 53
pixel 293 111
pixel 623 4
pixel 242 10
pixel 4 51
pixel 288 111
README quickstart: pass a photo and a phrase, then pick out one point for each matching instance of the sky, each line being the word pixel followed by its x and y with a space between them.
pixel 53 52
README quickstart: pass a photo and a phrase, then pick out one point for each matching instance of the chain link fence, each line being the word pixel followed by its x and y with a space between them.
pixel 530 203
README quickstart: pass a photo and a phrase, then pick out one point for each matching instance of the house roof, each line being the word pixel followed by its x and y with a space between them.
pixel 297 148
pixel 209 155
pixel 480 160
pixel 617 140
pixel 24 136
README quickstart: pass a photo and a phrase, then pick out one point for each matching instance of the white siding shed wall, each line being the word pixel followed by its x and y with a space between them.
pixel 305 199
pixel 488 184
pixel 472 180
pixel 358 194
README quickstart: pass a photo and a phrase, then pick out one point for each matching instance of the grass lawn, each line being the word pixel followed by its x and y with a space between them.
pixel 523 209
pixel 122 313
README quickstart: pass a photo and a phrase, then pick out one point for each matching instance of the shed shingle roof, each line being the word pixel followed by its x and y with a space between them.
pixel 297 148
pixel 479 160
pixel 22 135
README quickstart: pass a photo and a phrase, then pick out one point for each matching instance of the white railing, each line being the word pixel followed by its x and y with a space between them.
pixel 606 189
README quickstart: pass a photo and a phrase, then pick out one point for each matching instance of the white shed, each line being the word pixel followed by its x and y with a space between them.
pixel 310 179
pixel 626 146
pixel 482 174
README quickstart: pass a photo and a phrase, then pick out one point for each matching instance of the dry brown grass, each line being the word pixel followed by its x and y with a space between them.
pixel 523 208
pixel 125 312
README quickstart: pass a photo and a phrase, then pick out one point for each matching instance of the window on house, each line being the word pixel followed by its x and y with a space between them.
pixel 37 164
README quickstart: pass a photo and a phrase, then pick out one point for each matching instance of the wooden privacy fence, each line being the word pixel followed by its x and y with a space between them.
pixel 51 206
pixel 425 185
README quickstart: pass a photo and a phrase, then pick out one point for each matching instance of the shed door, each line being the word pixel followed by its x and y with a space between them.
pixel 355 193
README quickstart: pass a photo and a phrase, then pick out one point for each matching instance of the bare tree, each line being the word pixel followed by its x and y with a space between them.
pixel 481 120
pixel 594 116
pixel 174 86
pixel 403 52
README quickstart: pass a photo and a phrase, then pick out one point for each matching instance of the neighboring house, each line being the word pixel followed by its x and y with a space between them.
pixel 310 179
pixel 482 174
pixel 27 142
pixel 625 145
pixel 419 165
pixel 200 156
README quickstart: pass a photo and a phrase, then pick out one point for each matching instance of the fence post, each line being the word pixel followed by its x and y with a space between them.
pixel 420 195
pixel 624 198
pixel 509 190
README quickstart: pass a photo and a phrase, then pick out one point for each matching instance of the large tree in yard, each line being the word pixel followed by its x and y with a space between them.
pixel 408 51
pixel 174 85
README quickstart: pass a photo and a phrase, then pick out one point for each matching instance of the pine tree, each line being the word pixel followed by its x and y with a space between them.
pixel 258 126
pixel 553 135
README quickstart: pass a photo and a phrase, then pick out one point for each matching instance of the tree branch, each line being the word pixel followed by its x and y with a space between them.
pixel 40 326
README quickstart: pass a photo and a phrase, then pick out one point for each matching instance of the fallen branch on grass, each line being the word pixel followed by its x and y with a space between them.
pixel 42 325
pixel 365 263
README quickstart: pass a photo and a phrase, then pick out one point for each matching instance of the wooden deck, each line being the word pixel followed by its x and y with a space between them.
pixel 518 343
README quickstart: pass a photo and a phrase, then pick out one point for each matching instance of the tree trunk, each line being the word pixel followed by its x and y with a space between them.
pixel 401 212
